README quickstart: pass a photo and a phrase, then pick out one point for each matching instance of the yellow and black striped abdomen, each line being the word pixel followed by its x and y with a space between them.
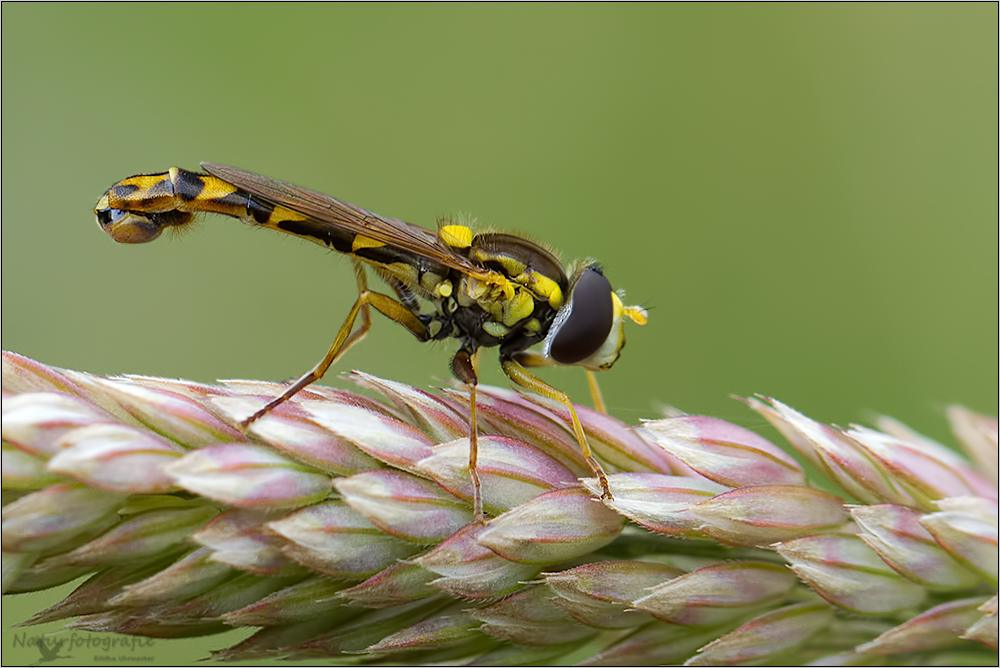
pixel 154 202
pixel 139 208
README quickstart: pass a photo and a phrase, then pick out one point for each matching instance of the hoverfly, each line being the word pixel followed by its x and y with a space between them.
pixel 485 289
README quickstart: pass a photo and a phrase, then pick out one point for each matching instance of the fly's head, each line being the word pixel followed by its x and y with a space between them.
pixel 588 329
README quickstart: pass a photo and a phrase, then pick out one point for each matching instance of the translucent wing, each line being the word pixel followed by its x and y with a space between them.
pixel 346 216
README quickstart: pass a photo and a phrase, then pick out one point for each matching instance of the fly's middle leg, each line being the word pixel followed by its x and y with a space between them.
pixel 465 367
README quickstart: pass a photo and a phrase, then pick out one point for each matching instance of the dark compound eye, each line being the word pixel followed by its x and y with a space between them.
pixel 591 315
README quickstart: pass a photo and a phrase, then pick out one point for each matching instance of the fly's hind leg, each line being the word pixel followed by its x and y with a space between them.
pixel 465 368
pixel 347 338
pixel 522 377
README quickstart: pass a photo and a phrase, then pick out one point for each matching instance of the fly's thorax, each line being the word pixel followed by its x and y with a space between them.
pixel 491 309
pixel 525 274
pixel 505 305
pixel 485 314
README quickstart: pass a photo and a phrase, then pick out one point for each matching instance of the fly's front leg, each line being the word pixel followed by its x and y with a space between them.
pixel 465 367
pixel 347 338
pixel 534 359
pixel 520 375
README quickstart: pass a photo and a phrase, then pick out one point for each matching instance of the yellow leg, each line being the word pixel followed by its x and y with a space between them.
pixel 595 392
pixel 466 367
pixel 520 375
pixel 346 338
pixel 477 486
pixel 365 312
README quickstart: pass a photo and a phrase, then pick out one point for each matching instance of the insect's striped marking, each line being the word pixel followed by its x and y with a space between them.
pixel 361 241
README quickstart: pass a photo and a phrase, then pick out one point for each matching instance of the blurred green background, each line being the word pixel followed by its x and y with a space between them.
pixel 804 195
